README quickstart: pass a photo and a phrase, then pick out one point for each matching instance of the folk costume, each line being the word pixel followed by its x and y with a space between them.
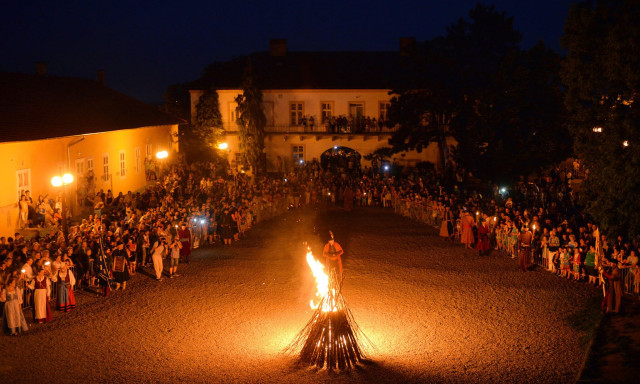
pixel 13 317
pixel 446 228
pixel 524 254
pixel 41 295
pixel 483 238
pixel 158 252
pixel 185 239
pixel 467 231
pixel 120 268
pixel 66 298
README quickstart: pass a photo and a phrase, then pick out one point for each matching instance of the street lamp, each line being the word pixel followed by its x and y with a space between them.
pixel 161 156
pixel 223 146
pixel 63 181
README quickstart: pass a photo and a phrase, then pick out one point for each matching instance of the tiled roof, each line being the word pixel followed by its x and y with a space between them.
pixel 34 107
pixel 312 70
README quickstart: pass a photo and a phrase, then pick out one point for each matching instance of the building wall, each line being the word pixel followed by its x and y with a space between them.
pixel 281 137
pixel 278 103
pixel 44 159
pixel 279 148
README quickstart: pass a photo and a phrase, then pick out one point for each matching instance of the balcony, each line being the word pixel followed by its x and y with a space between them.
pixel 347 129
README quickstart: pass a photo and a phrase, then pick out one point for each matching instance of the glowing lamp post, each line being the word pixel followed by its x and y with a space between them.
pixel 63 181
pixel 161 155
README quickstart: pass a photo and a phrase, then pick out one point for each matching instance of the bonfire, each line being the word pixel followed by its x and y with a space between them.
pixel 330 339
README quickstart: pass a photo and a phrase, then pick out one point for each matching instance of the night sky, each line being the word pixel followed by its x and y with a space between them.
pixel 143 46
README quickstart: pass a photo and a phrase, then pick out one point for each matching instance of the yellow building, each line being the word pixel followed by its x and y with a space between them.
pixel 305 93
pixel 52 125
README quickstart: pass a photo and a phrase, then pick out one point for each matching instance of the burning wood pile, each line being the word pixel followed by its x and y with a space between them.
pixel 330 338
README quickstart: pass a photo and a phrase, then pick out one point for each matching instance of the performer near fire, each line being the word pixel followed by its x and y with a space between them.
pixel 332 253
pixel 524 254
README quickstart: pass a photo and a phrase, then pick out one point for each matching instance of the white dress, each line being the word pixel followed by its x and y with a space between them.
pixel 13 315
pixel 40 298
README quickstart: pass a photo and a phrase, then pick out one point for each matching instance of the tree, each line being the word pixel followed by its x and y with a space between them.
pixel 251 121
pixel 201 137
pixel 515 125
pixel 602 76
pixel 502 105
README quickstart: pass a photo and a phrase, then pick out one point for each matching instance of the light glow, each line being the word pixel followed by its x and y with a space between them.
pixel 162 154
pixel 67 178
pixel 223 146
pixel 56 181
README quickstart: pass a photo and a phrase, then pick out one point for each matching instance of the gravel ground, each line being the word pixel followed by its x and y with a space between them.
pixel 433 311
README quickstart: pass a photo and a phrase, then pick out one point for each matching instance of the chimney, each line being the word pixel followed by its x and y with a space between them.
pixel 101 77
pixel 278 47
pixel 407 46
pixel 41 68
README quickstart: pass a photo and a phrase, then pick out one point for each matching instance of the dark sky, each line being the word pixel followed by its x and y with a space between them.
pixel 143 46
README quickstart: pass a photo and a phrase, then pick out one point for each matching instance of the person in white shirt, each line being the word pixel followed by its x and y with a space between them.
pixel 157 253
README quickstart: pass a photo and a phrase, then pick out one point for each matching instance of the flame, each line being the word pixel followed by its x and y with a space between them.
pixel 322 283
pixel 322 280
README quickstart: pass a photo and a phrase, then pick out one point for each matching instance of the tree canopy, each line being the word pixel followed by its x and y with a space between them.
pixel 501 104
pixel 602 76
pixel 200 138
pixel 251 121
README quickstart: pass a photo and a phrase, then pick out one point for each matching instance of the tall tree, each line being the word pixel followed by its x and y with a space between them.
pixel 515 125
pixel 202 135
pixel 602 76
pixel 251 121
pixel 502 105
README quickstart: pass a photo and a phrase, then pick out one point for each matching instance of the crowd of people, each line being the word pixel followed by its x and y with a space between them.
pixel 539 222
pixel 188 207
pixel 342 124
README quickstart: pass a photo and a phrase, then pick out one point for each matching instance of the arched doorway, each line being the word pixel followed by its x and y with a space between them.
pixel 341 160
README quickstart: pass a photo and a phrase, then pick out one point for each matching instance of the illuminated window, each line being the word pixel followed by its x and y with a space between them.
pixel 296 114
pixel 105 165
pixel 138 165
pixel 90 164
pixel 79 167
pixel 384 111
pixel 24 181
pixel 356 110
pixel 298 154
pixel 123 165
pixel 327 110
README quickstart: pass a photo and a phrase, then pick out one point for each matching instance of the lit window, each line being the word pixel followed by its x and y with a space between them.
pixel 384 111
pixel 123 165
pixel 298 154
pixel 79 167
pixel 327 110
pixel 24 181
pixel 138 165
pixel 296 113
pixel 105 165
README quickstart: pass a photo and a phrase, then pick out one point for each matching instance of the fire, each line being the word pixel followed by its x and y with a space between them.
pixel 322 283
